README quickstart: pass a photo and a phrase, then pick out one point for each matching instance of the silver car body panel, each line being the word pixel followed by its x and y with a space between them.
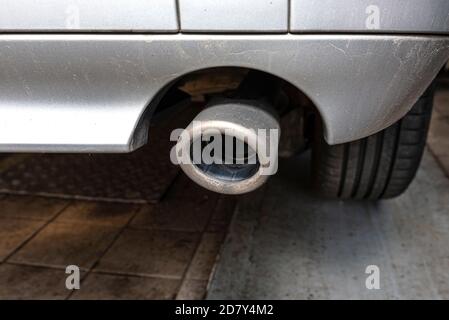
pixel 88 15
pixel 234 15
pixel 249 16
pixel 89 92
pixel 385 16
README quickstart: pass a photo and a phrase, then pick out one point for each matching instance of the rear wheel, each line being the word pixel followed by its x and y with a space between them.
pixel 380 166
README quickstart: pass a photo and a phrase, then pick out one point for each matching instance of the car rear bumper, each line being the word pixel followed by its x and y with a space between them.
pixel 88 93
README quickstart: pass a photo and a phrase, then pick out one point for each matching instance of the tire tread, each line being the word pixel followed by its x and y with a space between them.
pixel 377 167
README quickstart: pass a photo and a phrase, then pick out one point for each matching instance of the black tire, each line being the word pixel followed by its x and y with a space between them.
pixel 378 167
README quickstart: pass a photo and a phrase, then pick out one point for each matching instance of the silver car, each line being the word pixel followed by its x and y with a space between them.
pixel 350 79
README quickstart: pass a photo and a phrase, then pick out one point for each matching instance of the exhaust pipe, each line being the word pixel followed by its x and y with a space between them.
pixel 230 147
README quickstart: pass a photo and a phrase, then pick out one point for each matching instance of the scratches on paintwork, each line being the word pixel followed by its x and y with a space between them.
pixel 338 48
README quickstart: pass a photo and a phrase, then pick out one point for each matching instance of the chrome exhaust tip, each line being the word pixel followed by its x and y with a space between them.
pixel 230 147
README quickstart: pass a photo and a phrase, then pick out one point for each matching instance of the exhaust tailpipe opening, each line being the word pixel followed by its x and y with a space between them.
pixel 231 147
pixel 233 167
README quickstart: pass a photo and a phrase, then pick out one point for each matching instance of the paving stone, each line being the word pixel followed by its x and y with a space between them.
pixel 184 188
pixel 289 243
pixel 27 282
pixel 192 290
pixel 117 287
pixel 14 232
pixel 62 244
pixel 438 140
pixel 444 163
pixel 222 214
pixel 149 260
pixel 441 102
pixel 114 214
pixel 153 253
pixel 29 207
pixel 205 257
pixel 190 215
